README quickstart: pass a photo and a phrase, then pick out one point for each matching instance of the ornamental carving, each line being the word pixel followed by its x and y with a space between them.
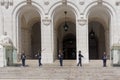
pixel 99 2
pixel 82 22
pixel 46 21
pixel 29 1
pixel 64 2
pixel 81 2
pixel 6 3
pixel 5 41
pixel 118 3
pixel 46 2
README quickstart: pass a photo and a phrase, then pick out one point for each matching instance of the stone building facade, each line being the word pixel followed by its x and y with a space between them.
pixel 39 25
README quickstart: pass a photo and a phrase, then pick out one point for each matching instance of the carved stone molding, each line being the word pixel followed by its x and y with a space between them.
pixel 99 2
pixel 46 2
pixel 82 22
pixel 6 3
pixel 64 2
pixel 46 21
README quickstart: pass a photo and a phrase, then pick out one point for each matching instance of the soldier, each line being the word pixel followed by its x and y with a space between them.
pixel 60 57
pixel 23 57
pixel 104 58
pixel 80 60
pixel 39 58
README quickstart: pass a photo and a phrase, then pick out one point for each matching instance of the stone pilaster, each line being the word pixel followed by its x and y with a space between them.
pixel 82 38
pixel 2 56
pixel 46 41
pixel 107 42
pixel 1 26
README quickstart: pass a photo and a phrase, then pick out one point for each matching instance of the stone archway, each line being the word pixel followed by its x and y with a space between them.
pixel 96 40
pixel 28 19
pixel 67 40
pixel 99 23
pixel 59 31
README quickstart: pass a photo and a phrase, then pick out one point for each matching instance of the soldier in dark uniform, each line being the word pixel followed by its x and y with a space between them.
pixel 60 57
pixel 39 58
pixel 23 57
pixel 104 58
pixel 80 60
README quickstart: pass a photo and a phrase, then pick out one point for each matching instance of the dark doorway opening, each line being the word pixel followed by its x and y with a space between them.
pixel 93 46
pixel 96 40
pixel 35 39
pixel 69 47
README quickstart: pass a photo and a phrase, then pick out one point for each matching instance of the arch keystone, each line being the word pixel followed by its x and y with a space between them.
pixel 64 2
pixel 100 2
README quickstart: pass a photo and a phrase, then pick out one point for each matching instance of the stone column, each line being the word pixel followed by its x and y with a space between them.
pixel 46 40
pixel 82 39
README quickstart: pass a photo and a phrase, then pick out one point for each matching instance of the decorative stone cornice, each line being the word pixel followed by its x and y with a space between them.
pixel 82 22
pixel 46 21
pixel 6 3
pixel 64 2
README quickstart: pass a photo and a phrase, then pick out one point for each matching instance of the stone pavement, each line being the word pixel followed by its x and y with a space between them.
pixel 91 71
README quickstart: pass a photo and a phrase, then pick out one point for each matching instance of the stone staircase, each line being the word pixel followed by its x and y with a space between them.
pixel 34 63
pixel 92 63
pixel 69 71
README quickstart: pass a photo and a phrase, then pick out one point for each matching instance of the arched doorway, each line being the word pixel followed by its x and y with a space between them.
pixel 99 19
pixel 64 40
pixel 29 31
pixel 96 40
pixel 67 41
